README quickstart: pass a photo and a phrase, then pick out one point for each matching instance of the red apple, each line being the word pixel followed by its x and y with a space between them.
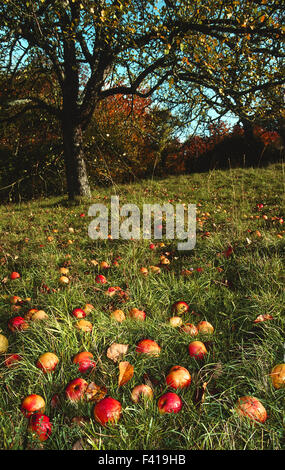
pixel 180 307
pixel 47 362
pixel 141 390
pixel 148 346
pixel 15 299
pixel 33 404
pixel 178 377
pixel 137 314
pixel 205 327
pixel 252 408
pixel 15 275
pixel 17 324
pixel 78 313
pixel 100 279
pixel 75 390
pixel 197 349
pixel 107 411
pixel 85 361
pixel 12 359
pixel 170 402
pixel 41 426
pixel 278 376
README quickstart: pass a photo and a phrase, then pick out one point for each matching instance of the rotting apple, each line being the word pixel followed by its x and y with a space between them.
pixel 169 402
pixel 75 390
pixel 100 279
pixel 84 325
pixel 12 360
pixel 85 361
pixel 252 408
pixel 197 349
pixel 40 425
pixel 277 376
pixel 39 315
pixel 148 346
pixel 47 362
pixel 178 377
pixel 88 308
pixel 107 411
pixel 32 404
pixel 141 391
pixel 190 329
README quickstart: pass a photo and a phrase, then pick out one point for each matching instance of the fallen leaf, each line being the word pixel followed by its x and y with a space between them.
pixel 126 373
pixel 264 317
pixel 95 392
pixel 116 350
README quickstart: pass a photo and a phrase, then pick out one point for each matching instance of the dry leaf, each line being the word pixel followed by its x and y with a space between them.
pixel 200 394
pixel 95 393
pixel 126 373
pixel 116 350
pixel 264 317
pixel 78 445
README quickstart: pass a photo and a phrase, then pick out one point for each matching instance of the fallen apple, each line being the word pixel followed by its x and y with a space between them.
pixel 197 349
pixel 178 377
pixel 39 315
pixel 78 313
pixel 64 270
pixel 251 408
pixel 190 329
pixel 180 307
pixel 141 391
pixel 170 402
pixel 14 275
pixel 75 390
pixel 118 315
pixel 85 361
pixel 137 314
pixel 204 327
pixel 63 280
pixel 84 325
pixel 12 359
pixel 100 279
pixel 47 362
pixel 148 346
pixel 32 404
pixel 278 376
pixel 40 425
pixel 4 344
pixel 107 411
pixel 17 324
pixel 88 308
pixel 175 321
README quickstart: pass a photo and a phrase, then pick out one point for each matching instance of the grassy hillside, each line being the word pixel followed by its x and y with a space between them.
pixel 238 208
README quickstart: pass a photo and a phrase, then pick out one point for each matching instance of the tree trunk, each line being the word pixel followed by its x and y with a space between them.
pixel 76 173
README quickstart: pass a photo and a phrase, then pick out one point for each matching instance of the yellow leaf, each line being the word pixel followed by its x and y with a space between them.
pixel 126 373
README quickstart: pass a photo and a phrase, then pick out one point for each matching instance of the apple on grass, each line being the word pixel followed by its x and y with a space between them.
pixel 180 307
pixel 148 346
pixel 197 349
pixel 118 315
pixel 12 359
pixel 137 314
pixel 32 404
pixel 75 390
pixel 4 344
pixel 84 325
pixel 107 411
pixel 190 328
pixel 175 321
pixel 100 279
pixel 178 377
pixel 40 426
pixel 15 275
pixel 205 327
pixel 47 362
pixel 78 313
pixel 169 402
pixel 17 324
pixel 85 361
pixel 142 391
pixel 251 408
pixel 277 376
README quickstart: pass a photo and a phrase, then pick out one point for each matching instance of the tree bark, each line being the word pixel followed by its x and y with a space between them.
pixel 76 173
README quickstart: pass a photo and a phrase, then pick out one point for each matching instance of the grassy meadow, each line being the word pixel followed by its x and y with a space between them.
pixel 241 208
